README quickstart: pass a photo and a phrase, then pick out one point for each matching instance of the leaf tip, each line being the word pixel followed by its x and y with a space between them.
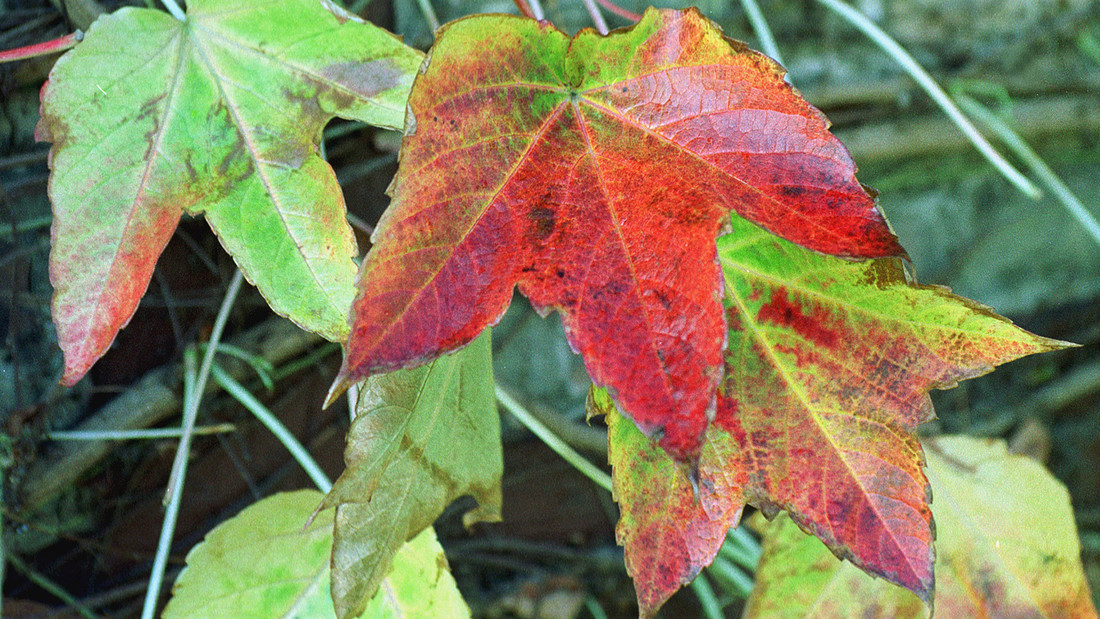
pixel 339 386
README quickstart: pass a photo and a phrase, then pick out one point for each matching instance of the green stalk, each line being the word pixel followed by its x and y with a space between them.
pixel 1039 167
pixel 193 386
pixel 711 608
pixel 739 581
pixel 272 422
pixel 933 89
pixel 129 435
pixel 760 27
pixel 747 552
pixel 51 587
pixel 174 8
pixel 552 441
pixel 429 14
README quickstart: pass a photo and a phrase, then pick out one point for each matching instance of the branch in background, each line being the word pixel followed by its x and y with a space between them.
pixel 151 400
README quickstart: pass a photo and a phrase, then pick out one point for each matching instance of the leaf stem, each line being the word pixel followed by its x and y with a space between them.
pixel 597 17
pixel 1039 167
pixel 266 417
pixel 174 8
pixel 933 89
pixel 552 440
pixel 61 44
pixel 193 386
pixel 760 27
pixel 618 10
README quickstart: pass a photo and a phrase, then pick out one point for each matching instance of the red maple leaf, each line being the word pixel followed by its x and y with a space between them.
pixel 595 173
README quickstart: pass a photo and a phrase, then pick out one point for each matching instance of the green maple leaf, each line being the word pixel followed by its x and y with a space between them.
pixel 221 114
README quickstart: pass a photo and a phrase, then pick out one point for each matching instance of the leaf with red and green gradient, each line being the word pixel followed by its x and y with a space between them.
pixel 420 439
pixel 1006 546
pixel 221 114
pixel 827 376
pixel 652 492
pixel 595 172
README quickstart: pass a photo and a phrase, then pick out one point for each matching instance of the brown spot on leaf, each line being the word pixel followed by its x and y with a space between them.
pixel 543 220
pixel 365 79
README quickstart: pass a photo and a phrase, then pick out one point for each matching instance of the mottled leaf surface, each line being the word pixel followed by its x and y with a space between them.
pixel 1007 542
pixel 420 439
pixel 264 563
pixel 827 376
pixel 799 578
pixel 221 114
pixel 595 172
pixel 1006 547
pixel 652 492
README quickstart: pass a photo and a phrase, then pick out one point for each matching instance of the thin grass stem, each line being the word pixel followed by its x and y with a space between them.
pixel 50 586
pixel 760 27
pixel 552 440
pixel 174 8
pixel 266 417
pixel 596 15
pixel 734 577
pixel 130 435
pixel 194 383
pixel 933 89
pixel 702 589
pixel 429 14
pixel 1039 167
pixel 536 10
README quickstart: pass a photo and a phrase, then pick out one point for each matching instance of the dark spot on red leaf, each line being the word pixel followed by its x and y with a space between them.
pixel 781 311
pixel 543 220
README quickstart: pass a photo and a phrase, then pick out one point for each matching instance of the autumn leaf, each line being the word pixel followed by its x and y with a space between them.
pixel 595 172
pixel 1006 547
pixel 827 376
pixel 667 534
pixel 264 563
pixel 152 117
pixel 420 439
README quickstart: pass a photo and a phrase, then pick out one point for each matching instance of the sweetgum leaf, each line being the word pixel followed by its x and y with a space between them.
pixel 151 117
pixel 827 376
pixel 595 172
pixel 1006 547
pixel 263 563
pixel 652 493
pixel 1005 527
pixel 420 439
